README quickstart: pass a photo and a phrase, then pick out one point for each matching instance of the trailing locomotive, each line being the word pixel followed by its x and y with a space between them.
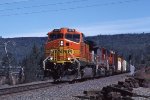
pixel 69 56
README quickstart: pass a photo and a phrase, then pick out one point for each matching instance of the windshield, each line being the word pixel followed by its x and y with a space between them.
pixel 73 37
pixel 55 36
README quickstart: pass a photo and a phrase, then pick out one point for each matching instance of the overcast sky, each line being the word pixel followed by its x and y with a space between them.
pixel 25 18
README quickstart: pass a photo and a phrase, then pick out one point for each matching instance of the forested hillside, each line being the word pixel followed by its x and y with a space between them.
pixel 29 51
pixel 136 45
pixel 20 47
pixel 26 52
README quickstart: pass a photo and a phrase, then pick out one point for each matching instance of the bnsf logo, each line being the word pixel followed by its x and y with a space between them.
pixel 62 51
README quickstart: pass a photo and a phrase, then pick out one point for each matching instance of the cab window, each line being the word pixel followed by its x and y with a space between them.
pixel 55 36
pixel 73 37
pixel 68 36
pixel 76 37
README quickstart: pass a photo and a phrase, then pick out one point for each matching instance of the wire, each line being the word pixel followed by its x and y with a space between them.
pixel 71 8
pixel 8 3
pixel 52 4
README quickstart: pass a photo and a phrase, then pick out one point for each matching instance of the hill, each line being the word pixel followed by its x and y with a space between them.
pixel 136 45
pixel 20 47
pixel 29 51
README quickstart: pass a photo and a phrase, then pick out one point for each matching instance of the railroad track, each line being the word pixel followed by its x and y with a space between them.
pixel 24 87
pixel 35 85
pixel 38 85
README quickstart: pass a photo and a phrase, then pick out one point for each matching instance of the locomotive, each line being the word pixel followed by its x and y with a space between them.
pixel 69 56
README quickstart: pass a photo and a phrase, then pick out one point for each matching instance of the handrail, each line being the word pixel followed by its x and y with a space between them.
pixel 79 74
pixel 45 61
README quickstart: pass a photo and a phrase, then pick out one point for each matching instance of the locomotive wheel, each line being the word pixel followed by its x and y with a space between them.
pixel 102 72
pixel 111 71
pixel 57 72
pixel 94 71
pixel 46 73
pixel 88 72
pixel 55 75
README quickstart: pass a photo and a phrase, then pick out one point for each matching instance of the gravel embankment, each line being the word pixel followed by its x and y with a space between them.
pixel 141 91
pixel 64 91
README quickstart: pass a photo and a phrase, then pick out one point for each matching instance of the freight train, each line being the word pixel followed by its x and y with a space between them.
pixel 68 56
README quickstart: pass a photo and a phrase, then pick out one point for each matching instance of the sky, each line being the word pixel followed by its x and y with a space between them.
pixel 35 18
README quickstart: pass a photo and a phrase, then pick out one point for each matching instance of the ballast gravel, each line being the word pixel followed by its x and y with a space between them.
pixel 64 91
pixel 141 91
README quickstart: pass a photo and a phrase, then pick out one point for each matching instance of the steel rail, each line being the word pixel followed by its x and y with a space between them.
pixel 24 87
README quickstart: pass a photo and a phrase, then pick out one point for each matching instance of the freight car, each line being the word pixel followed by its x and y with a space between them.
pixel 69 56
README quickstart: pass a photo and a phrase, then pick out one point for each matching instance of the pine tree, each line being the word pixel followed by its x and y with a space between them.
pixel 33 64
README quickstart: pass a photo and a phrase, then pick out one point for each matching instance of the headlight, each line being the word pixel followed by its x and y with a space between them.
pixel 69 58
pixel 51 58
pixel 61 43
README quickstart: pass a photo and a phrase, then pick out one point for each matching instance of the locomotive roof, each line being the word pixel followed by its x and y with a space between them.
pixel 64 30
